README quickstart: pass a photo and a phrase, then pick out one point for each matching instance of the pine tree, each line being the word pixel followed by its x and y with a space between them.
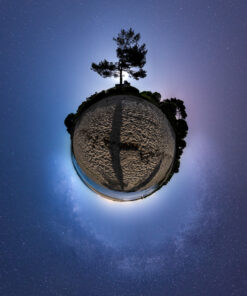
pixel 131 58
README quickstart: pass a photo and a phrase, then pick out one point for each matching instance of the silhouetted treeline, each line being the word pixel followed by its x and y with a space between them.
pixel 173 108
pixel 176 114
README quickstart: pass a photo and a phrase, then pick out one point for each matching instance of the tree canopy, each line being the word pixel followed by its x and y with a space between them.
pixel 131 58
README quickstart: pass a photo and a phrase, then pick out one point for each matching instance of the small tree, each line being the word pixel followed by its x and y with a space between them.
pixel 131 58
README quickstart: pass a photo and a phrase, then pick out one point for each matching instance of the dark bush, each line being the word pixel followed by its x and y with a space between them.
pixel 69 122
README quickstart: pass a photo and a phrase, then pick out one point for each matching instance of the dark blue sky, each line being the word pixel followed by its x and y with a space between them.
pixel 59 238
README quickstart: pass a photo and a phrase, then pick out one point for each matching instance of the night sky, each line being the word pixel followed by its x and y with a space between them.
pixel 58 237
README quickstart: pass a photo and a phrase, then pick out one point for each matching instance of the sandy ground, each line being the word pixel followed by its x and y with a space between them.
pixel 124 143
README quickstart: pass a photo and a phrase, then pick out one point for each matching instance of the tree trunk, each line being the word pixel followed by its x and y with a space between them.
pixel 121 76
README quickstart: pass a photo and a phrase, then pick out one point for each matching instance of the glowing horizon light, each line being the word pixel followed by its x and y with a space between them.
pixel 125 77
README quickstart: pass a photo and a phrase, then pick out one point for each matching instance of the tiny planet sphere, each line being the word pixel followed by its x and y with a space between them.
pixel 123 147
